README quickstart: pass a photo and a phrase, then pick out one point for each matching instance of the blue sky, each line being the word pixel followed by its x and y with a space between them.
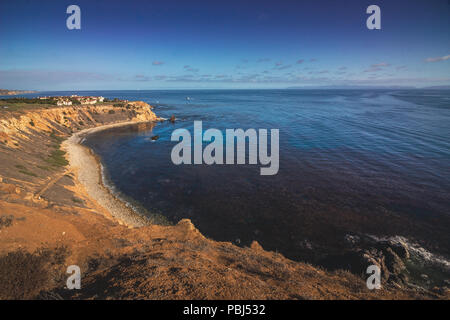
pixel 222 44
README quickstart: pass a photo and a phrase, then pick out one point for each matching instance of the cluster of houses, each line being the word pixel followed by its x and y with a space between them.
pixel 63 102
pixel 89 100
pixel 67 101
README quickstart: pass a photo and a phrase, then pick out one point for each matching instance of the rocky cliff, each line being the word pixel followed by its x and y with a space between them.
pixel 17 125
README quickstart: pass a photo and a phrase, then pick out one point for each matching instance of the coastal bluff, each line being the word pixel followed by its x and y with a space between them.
pixel 50 219
pixel 16 125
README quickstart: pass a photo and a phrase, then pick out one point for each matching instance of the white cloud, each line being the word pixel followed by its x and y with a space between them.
pixel 373 69
pixel 436 59
pixel 381 64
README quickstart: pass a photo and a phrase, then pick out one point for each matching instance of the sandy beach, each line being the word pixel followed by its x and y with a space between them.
pixel 87 168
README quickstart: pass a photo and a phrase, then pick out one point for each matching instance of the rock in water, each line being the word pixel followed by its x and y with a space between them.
pixel 393 262
pixel 401 249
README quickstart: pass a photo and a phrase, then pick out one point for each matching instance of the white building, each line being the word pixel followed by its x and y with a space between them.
pixel 63 102
pixel 88 100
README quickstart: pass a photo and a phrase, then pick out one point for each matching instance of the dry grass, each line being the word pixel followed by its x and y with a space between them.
pixel 6 221
pixel 23 275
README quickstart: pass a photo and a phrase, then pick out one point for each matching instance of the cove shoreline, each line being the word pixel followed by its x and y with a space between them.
pixel 88 170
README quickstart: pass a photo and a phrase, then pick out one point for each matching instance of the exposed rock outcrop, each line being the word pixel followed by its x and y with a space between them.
pixel 72 118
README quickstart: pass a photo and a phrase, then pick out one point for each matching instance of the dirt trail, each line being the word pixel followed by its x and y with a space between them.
pixel 52 182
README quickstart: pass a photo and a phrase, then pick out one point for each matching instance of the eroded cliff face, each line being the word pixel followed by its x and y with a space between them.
pixel 15 125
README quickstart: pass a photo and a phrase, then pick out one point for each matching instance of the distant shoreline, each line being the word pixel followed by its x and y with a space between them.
pixel 5 92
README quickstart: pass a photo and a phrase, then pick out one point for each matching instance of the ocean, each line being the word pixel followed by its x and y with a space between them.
pixel 351 162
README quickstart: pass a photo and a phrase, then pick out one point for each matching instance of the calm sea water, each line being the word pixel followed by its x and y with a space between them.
pixel 351 161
